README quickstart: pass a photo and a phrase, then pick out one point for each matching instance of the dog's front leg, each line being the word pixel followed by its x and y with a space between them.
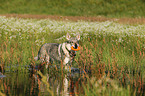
pixel 66 60
pixel 47 59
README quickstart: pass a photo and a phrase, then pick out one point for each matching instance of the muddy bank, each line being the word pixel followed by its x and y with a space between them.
pixel 78 18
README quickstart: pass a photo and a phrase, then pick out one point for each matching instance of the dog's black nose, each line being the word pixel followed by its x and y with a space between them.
pixel 76 45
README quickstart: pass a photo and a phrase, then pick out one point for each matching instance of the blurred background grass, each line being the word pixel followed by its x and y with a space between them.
pixel 108 8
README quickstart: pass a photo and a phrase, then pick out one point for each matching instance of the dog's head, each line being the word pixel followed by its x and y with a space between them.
pixel 73 42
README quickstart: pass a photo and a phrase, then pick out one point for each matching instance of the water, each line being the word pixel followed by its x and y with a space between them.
pixel 31 84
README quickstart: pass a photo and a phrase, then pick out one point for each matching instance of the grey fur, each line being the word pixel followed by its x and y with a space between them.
pixel 54 52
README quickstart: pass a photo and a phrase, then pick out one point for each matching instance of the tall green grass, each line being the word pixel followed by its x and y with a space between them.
pixel 109 8
pixel 115 53
pixel 114 65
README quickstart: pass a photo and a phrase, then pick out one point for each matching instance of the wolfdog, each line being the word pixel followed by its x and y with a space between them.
pixel 54 52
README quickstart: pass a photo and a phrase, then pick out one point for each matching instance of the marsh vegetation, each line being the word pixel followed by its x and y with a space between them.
pixel 111 60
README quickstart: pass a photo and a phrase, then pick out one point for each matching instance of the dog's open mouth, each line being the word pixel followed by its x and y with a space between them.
pixel 75 49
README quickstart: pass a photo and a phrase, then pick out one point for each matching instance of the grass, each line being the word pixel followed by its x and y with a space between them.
pixel 115 53
pixel 109 8
pixel 123 64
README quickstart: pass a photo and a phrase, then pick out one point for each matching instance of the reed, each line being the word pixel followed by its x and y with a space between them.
pixel 111 64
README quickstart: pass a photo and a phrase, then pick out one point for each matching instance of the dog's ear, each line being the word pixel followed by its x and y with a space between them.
pixel 78 37
pixel 68 36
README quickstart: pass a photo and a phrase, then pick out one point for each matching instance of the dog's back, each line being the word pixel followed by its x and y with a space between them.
pixel 49 52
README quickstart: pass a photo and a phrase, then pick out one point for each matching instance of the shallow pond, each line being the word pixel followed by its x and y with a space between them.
pixel 36 84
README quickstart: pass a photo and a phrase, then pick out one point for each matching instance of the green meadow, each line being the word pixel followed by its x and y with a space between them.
pixel 115 53
pixel 109 8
